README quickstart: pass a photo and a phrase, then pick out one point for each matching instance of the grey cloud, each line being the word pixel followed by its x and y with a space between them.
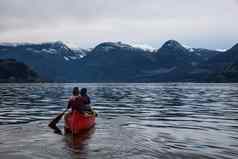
pixel 146 21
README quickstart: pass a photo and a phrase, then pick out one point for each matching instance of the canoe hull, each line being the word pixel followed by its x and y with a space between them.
pixel 76 122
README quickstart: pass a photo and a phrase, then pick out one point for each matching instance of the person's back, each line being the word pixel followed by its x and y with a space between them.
pixel 84 100
pixel 74 103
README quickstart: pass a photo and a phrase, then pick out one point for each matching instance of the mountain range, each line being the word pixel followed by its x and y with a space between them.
pixel 120 62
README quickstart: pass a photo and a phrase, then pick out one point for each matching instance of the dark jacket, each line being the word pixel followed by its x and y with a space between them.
pixel 79 103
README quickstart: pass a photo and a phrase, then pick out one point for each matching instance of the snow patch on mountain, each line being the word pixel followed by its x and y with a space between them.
pixel 72 45
pixel 50 51
pixel 144 47
pixel 190 49
pixel 221 50
pixel 73 58
pixel 66 58
pixel 75 47
pixel 108 48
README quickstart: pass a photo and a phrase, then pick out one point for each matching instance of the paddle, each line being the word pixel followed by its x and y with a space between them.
pixel 53 123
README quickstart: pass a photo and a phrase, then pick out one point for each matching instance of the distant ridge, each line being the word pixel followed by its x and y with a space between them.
pixel 121 62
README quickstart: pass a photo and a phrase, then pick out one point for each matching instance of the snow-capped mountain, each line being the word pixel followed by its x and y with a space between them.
pixel 51 49
pixel 51 60
pixel 120 62
pixel 110 46
pixel 174 47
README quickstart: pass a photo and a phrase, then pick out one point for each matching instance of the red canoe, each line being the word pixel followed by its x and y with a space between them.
pixel 76 122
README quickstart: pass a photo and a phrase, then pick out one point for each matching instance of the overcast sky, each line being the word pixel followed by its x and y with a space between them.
pixel 197 23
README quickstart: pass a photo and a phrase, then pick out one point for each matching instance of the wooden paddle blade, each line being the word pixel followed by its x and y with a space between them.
pixel 53 123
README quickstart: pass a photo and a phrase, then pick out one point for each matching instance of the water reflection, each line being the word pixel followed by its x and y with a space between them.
pixel 79 143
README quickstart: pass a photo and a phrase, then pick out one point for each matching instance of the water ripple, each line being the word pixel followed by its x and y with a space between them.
pixel 135 121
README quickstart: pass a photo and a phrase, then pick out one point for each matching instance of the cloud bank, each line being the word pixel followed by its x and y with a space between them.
pixel 198 23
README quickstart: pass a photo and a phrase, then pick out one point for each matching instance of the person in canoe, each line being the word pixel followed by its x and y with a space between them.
pixel 79 105
pixel 85 100
pixel 79 101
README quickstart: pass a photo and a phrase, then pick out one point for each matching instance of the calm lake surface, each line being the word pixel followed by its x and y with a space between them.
pixel 167 121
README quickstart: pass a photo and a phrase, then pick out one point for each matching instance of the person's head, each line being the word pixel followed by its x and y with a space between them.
pixel 76 91
pixel 83 91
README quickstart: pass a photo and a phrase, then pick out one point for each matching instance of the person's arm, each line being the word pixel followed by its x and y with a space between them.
pixel 89 102
pixel 69 104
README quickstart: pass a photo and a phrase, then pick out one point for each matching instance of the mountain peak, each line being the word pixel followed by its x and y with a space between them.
pixel 172 44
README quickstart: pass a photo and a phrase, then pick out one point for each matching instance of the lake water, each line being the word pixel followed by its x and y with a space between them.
pixel 139 121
